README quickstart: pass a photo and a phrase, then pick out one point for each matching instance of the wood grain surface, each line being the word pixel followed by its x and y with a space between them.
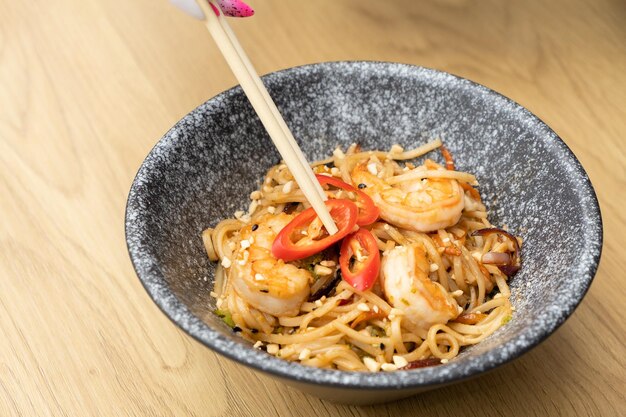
pixel 86 89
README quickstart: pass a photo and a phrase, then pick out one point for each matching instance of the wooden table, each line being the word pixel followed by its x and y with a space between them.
pixel 87 87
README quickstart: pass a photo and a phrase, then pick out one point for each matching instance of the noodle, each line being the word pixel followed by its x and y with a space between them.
pixel 342 327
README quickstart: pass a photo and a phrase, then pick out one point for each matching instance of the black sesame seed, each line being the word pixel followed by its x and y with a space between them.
pixel 382 346
pixel 254 227
pixel 236 329
pixel 266 291
pixel 361 185
pixel 254 331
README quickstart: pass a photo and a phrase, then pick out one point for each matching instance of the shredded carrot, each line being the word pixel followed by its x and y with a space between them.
pixel 473 191
pixel 470 318
pixel 448 157
pixel 452 251
pixel 369 315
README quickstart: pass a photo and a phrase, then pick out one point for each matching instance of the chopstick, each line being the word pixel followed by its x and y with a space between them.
pixel 267 111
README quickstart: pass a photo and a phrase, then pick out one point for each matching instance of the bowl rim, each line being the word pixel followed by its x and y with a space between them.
pixel 152 279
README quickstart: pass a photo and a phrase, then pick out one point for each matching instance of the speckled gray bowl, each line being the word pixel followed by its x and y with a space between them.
pixel 205 167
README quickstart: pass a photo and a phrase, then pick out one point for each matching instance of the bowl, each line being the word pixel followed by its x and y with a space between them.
pixel 205 167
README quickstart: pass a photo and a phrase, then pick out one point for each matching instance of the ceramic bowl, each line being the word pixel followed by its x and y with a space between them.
pixel 205 167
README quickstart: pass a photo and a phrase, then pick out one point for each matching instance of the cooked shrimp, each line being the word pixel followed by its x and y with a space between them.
pixel 268 284
pixel 423 205
pixel 407 287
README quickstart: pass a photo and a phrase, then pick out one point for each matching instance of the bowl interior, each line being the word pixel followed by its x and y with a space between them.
pixel 206 166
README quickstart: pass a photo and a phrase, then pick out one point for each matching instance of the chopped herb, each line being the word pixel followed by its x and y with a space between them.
pixel 376 331
pixel 277 330
pixel 361 185
pixel 404 301
pixel 226 317
pixel 236 329
pixel 311 261
pixel 506 319
pixel 254 227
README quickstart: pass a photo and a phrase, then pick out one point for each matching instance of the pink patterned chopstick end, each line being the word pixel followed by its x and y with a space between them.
pixel 235 8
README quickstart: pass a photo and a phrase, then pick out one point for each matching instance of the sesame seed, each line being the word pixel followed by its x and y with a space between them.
pixel 388 367
pixel 459 309
pixel 318 303
pixel 400 361
pixel 334 171
pixel 328 263
pixel 434 267
pixel 376 309
pixel 255 195
pixel 226 263
pixel 371 364
pixel 304 354
pixel 391 316
pixel 272 348
pixel 371 167
pixel 258 344
pixel 288 187
pixel 213 294
pixel 446 240
pixel 457 293
pixel 338 153
pixel 238 214
pixel 218 303
pixel 363 307
pixel 396 149
pixel 271 209
pixel 444 361
pixel 245 244
pixel 259 277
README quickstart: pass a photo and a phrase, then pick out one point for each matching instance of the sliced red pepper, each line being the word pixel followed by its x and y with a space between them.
pixel 368 212
pixel 364 272
pixel 288 247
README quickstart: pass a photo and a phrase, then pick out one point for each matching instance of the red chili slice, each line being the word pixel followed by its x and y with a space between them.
pixel 344 213
pixel 364 275
pixel 368 212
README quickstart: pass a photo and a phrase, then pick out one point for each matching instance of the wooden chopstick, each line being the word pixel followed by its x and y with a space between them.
pixel 292 141
pixel 268 113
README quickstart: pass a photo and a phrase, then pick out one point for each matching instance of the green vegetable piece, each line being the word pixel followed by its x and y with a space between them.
pixel 226 317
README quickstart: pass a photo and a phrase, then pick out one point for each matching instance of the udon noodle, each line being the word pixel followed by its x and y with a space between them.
pixel 441 284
